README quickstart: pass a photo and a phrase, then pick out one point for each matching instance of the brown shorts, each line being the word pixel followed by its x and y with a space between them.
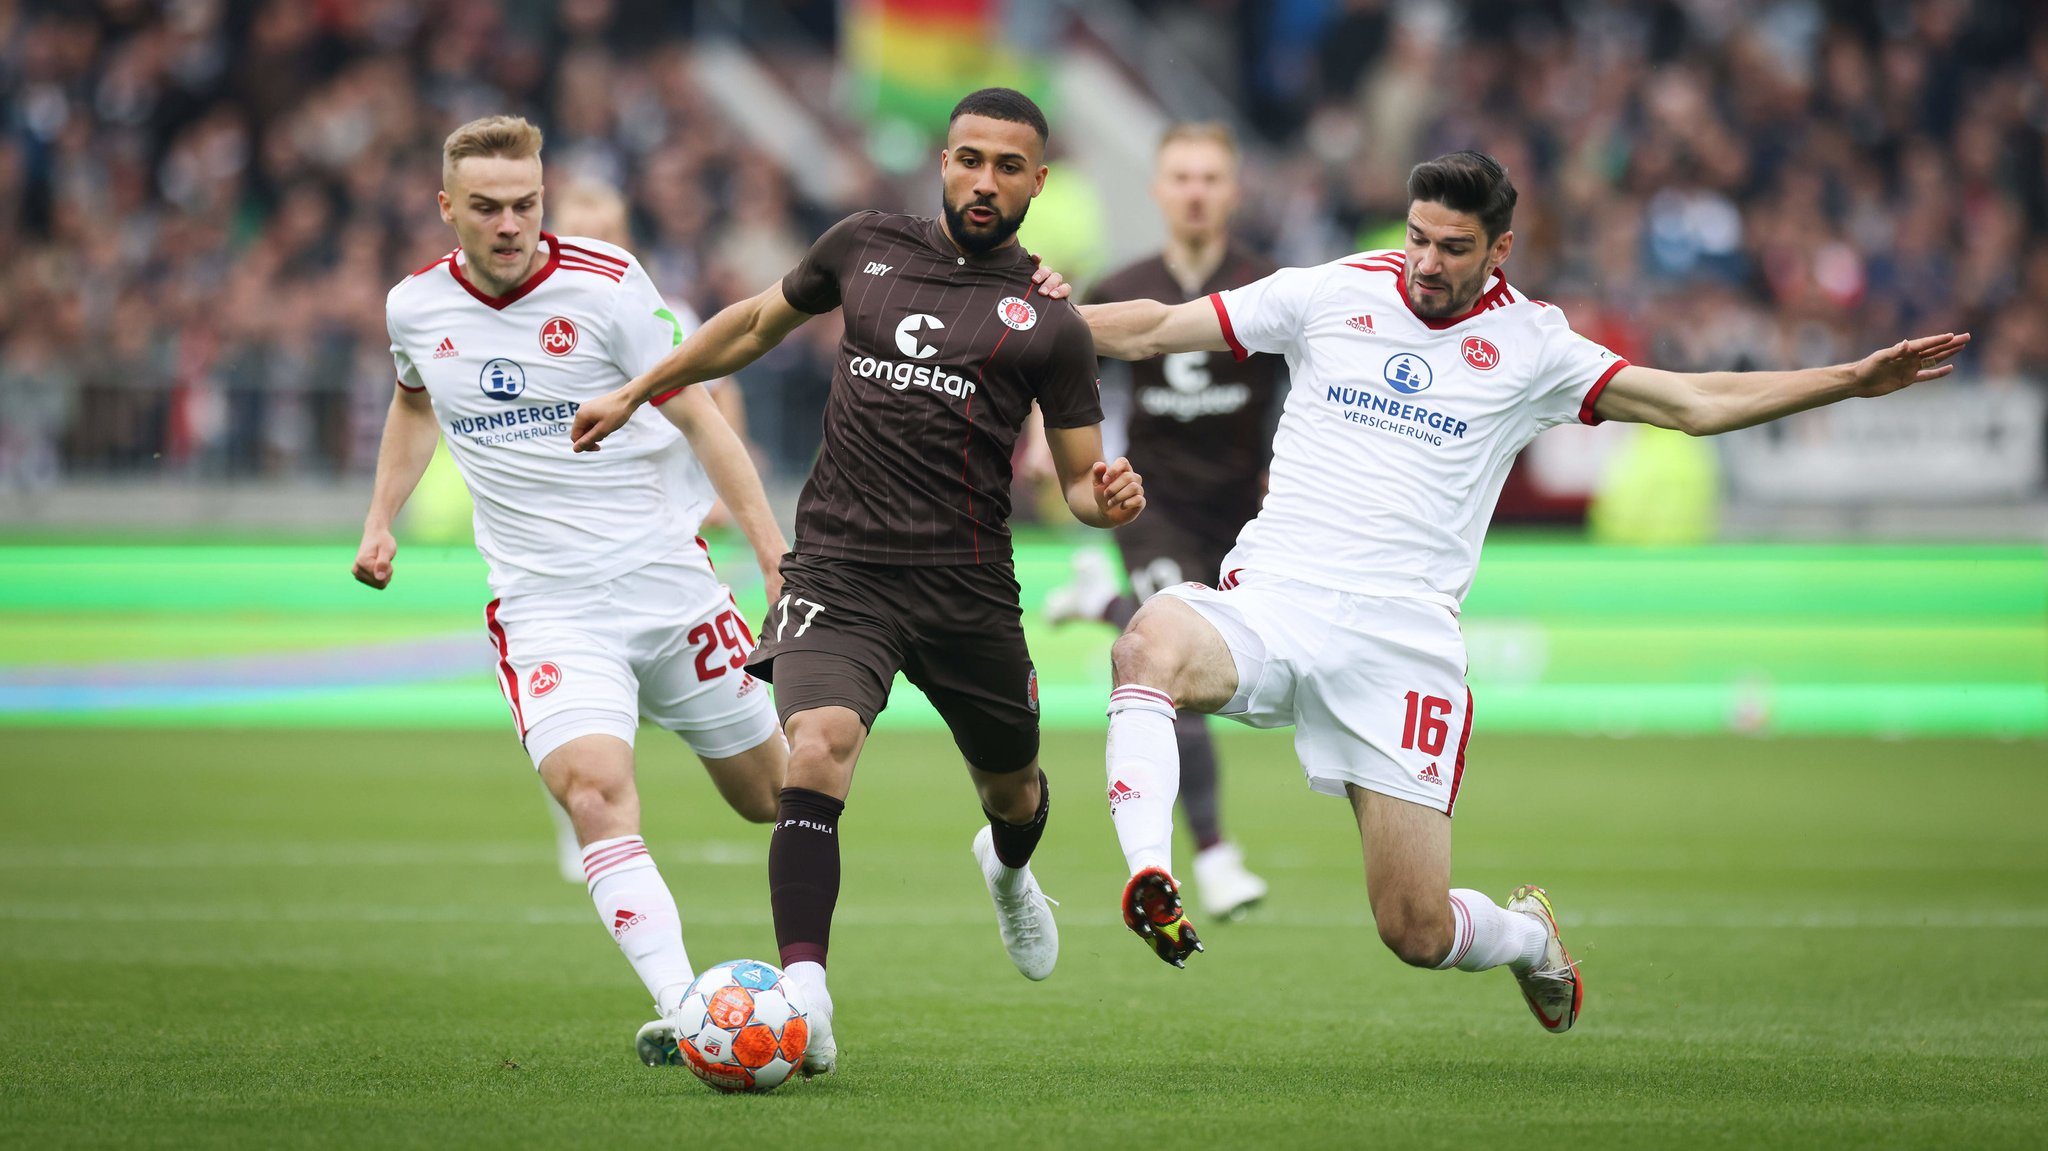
pixel 1161 550
pixel 842 630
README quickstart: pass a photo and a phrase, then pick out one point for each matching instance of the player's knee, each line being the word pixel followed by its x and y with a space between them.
pixel 1417 938
pixel 593 790
pixel 819 743
pixel 1138 656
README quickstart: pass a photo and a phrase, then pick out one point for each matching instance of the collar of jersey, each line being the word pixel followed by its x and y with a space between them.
pixel 935 235
pixel 500 303
pixel 1396 264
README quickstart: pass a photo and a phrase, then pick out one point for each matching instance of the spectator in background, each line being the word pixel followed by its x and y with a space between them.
pixel 193 196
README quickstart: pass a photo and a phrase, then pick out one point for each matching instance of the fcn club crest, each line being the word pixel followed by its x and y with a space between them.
pixel 558 336
pixel 1480 353
pixel 1016 313
pixel 545 678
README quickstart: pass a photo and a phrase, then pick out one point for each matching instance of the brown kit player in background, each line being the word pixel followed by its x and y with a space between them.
pixel 902 556
pixel 1200 429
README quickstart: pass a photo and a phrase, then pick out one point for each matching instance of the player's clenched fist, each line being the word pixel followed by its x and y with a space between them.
pixel 373 558
pixel 1119 491
pixel 599 418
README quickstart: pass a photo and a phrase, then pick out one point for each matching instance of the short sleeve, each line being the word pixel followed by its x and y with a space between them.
pixel 645 329
pixel 1069 395
pixel 1572 371
pixel 1267 314
pixel 408 375
pixel 813 285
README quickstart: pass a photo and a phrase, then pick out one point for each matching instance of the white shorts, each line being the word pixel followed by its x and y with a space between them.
pixel 663 642
pixel 1374 686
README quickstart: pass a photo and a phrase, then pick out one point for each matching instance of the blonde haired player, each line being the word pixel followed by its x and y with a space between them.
pixel 1416 377
pixel 607 608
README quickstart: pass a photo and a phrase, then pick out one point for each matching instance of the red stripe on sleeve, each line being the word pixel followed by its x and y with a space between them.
pixel 409 387
pixel 666 396
pixel 1586 415
pixel 1229 333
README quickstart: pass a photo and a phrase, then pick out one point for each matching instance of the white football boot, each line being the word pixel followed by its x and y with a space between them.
pixel 821 1051
pixel 656 1044
pixel 1087 592
pixel 1226 888
pixel 1022 914
pixel 1553 988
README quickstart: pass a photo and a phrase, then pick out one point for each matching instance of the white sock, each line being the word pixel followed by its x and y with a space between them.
pixel 1487 935
pixel 809 977
pixel 1144 774
pixel 635 906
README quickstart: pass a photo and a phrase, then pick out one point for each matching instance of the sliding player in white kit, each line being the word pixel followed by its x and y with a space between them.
pixel 1417 376
pixel 608 609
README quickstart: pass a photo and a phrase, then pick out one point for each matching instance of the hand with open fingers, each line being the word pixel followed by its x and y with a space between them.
pixel 373 558
pixel 1051 284
pixel 1119 491
pixel 599 418
pixel 1909 362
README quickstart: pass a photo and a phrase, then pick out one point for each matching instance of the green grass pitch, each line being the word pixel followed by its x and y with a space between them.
pixel 285 939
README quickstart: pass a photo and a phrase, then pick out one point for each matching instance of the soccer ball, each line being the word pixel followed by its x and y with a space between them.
pixel 742 1027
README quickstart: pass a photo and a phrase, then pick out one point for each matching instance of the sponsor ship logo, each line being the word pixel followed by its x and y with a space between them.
pixel 1407 373
pixel 909 331
pixel 874 269
pixel 502 379
pixel 900 376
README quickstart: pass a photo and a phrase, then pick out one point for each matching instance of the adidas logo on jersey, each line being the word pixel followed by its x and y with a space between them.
pixel 446 349
pixel 1361 324
pixel 1429 775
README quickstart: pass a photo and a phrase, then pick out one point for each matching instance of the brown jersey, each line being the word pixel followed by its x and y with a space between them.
pixel 943 355
pixel 1199 420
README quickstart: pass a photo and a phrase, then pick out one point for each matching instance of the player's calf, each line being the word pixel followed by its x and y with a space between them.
pixel 1420 935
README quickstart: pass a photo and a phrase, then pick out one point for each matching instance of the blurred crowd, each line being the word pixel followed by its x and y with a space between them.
pixel 203 202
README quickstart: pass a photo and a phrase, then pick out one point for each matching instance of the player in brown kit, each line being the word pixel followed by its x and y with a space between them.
pixel 1199 428
pixel 902 557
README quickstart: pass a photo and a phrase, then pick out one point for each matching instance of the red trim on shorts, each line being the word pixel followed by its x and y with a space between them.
pixel 1458 773
pixel 507 678
pixel 1586 415
pixel 1229 333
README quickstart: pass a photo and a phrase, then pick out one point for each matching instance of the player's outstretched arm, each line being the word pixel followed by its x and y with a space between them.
pixel 733 477
pixel 410 433
pixel 1141 329
pixel 1709 403
pixel 735 337
pixel 1101 495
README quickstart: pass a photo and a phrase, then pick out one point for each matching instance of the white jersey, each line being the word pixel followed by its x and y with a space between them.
pixel 1398 431
pixel 506 375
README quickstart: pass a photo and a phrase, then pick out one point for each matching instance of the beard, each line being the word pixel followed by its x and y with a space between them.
pixel 1454 298
pixel 977 241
